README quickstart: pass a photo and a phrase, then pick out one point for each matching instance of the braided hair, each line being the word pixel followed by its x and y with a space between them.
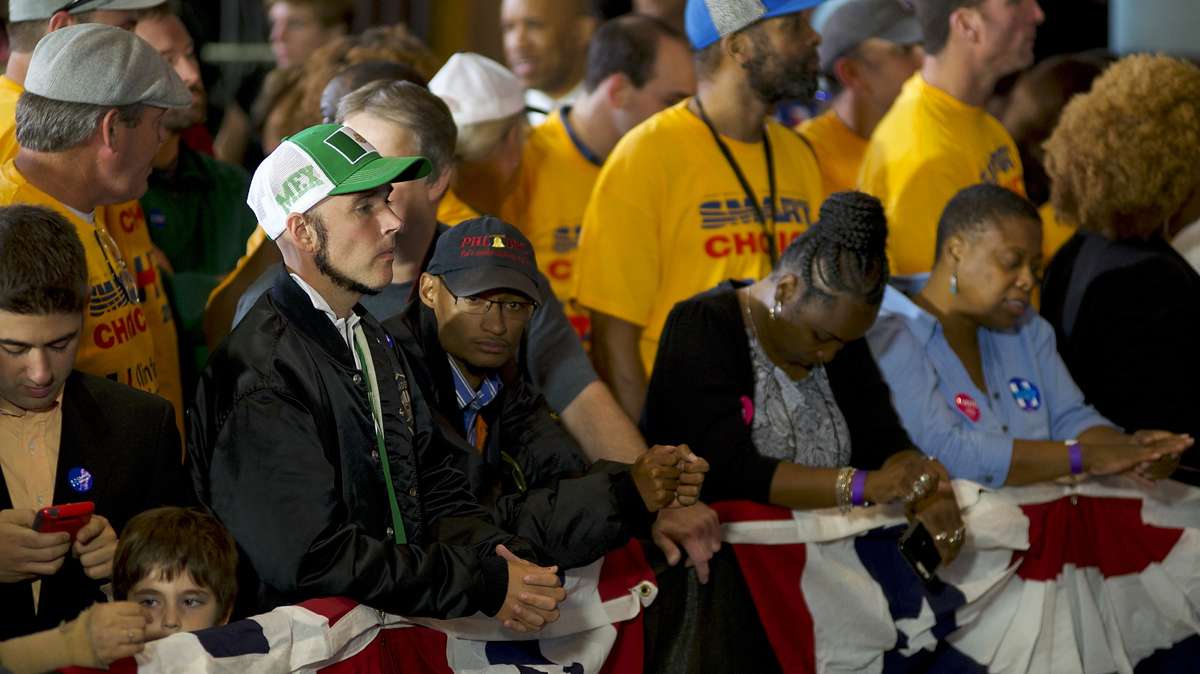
pixel 844 249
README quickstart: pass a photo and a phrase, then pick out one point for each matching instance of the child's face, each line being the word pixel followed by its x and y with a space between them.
pixel 177 605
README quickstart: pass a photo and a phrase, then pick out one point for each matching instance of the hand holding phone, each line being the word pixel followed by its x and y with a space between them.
pixel 918 548
pixel 69 518
pixel 26 554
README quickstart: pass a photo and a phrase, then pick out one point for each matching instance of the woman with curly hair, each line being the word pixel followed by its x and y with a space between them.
pixel 1124 304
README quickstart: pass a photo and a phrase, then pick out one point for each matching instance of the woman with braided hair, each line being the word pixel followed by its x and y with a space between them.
pixel 773 384
pixel 977 379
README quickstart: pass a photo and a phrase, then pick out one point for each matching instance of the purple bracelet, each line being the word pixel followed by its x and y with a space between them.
pixel 858 487
pixel 1075 452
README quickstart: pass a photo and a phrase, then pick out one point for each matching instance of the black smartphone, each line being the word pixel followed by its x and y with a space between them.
pixel 918 549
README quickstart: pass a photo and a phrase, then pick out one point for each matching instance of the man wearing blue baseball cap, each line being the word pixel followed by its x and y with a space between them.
pixel 705 190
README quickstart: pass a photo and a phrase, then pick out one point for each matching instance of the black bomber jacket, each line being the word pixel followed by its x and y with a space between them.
pixel 531 474
pixel 283 451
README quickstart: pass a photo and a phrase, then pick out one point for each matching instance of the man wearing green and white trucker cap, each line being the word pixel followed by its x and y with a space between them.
pixel 28 22
pixel 308 441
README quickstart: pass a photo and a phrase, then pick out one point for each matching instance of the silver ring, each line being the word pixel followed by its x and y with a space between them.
pixel 952 539
pixel 920 488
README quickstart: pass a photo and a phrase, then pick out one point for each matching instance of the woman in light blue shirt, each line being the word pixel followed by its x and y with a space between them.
pixel 975 374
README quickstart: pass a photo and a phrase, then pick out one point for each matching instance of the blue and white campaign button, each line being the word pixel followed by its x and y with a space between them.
pixel 80 479
pixel 1026 394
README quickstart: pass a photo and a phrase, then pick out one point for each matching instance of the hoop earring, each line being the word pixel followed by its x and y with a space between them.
pixel 776 310
pixel 954 283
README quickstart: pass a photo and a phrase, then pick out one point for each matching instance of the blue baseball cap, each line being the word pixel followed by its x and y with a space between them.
pixel 710 20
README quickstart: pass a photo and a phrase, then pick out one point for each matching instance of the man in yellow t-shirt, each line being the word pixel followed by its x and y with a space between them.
pixel 868 49
pixel 637 66
pixel 128 333
pixel 937 138
pixel 28 22
pixel 669 216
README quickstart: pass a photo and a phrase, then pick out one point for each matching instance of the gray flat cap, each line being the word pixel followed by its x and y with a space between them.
pixel 33 10
pixel 852 22
pixel 101 65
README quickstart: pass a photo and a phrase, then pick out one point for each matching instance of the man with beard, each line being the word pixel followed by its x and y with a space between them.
pixel 308 440
pixel 937 138
pixel 706 190
pixel 195 206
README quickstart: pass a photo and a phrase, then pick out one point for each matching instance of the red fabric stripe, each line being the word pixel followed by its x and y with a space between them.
pixel 1087 531
pixel 773 574
pixel 628 654
pixel 749 511
pixel 412 650
pixel 623 568
pixel 333 608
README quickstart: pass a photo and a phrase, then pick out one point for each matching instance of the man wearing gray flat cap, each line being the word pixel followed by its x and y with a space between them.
pixel 30 21
pixel 89 125
pixel 869 48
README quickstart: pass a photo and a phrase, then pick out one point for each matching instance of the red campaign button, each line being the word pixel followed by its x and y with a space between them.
pixel 967 405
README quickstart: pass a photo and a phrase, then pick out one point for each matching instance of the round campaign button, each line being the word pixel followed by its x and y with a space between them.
pixel 80 479
pixel 1026 394
pixel 967 405
pixel 747 410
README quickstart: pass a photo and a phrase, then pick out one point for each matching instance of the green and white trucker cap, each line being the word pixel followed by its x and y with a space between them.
pixel 322 161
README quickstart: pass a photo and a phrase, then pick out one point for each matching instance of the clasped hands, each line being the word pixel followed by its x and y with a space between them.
pixel 669 476
pixel 923 485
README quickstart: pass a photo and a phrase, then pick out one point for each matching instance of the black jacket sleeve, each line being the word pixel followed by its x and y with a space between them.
pixel 1133 349
pixel 701 375
pixel 280 501
pixel 573 514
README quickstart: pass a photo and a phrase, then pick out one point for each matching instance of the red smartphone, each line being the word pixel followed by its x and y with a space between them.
pixel 70 518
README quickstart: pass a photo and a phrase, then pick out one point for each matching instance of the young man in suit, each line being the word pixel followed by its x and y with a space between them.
pixel 65 436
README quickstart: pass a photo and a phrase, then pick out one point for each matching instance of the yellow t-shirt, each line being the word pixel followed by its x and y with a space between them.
pixel 927 148
pixel 839 150
pixel 10 91
pixel 128 228
pixel 119 337
pixel 548 204
pixel 668 218
pixel 452 210
pixel 1055 232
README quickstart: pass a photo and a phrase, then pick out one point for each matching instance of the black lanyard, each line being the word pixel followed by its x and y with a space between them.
pixel 768 227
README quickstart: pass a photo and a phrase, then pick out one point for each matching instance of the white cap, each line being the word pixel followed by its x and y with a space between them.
pixel 477 89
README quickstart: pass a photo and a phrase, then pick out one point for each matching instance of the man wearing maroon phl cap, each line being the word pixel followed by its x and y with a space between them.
pixel 476 298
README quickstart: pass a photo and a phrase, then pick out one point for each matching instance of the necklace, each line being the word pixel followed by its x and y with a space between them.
pixel 768 227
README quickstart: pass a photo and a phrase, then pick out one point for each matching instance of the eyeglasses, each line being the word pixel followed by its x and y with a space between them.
pixel 74 4
pixel 116 266
pixel 479 305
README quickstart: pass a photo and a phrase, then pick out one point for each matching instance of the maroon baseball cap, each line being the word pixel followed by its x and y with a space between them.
pixel 485 254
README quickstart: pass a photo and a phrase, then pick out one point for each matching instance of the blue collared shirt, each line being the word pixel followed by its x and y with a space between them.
pixel 1030 395
pixel 471 401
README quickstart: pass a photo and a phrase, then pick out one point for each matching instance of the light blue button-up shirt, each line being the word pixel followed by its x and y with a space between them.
pixel 1030 395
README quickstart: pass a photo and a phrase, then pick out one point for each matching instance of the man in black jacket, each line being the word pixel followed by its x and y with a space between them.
pixel 477 296
pixel 308 442
pixel 65 436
